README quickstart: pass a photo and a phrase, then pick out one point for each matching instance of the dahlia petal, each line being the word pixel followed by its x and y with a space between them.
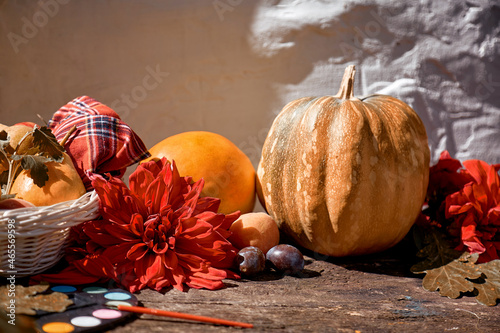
pixel 199 283
pixel 113 192
pixel 114 215
pixel 120 231
pixel 164 228
pixel 471 237
pixel 155 269
pixel 140 179
pixel 210 254
pixel 162 284
pixel 191 262
pixel 212 218
pixel 137 252
pixel 211 273
pixel 183 213
pixel 178 275
pixel 156 195
pixel 170 260
pixel 191 198
pixel 137 224
pixel 141 267
pixel 195 226
pixel 493 216
pixel 207 204
pixel 166 211
pixel 482 172
pixel 446 162
pixel 92 247
pixel 153 166
pixel 160 248
pixel 98 266
pixel 117 254
pixel 221 222
pixel 97 233
pixel 230 218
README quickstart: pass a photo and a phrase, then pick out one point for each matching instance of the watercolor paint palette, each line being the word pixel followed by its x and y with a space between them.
pixel 93 310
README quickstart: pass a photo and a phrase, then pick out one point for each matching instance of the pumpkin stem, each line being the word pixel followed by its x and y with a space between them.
pixel 346 90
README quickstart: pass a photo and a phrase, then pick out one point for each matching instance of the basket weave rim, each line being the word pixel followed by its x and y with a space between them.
pixel 41 233
pixel 50 213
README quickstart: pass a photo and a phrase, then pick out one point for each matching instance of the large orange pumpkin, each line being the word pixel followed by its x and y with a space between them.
pixel 342 175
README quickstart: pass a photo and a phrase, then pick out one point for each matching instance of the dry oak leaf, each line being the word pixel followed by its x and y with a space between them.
pixel 447 270
pixel 454 278
pixel 488 288
pixel 26 300
pixel 45 142
pixel 453 273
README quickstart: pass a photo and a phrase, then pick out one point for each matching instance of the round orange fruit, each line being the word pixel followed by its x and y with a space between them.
pixel 64 184
pixel 255 229
pixel 228 173
pixel 17 133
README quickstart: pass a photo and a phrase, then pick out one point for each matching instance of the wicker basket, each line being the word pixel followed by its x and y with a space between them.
pixel 41 234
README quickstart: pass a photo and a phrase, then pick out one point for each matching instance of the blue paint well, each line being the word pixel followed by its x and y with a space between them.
pixel 63 289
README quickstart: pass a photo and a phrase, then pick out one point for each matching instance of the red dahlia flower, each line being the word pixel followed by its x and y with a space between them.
pixel 475 211
pixel 445 178
pixel 158 233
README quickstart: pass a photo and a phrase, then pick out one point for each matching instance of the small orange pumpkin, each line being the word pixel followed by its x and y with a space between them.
pixel 342 175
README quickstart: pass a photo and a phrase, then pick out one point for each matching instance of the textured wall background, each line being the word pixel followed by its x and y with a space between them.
pixel 229 66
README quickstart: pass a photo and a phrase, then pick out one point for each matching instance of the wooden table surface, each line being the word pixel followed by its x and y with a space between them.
pixel 375 293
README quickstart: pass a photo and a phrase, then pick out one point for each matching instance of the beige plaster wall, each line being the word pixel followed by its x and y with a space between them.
pixel 229 66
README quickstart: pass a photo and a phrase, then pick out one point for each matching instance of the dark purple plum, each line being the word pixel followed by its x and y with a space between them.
pixel 250 260
pixel 286 259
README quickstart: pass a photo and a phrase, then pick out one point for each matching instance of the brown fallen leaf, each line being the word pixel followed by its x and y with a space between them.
pixel 488 289
pixel 27 300
pixel 453 273
pixel 452 279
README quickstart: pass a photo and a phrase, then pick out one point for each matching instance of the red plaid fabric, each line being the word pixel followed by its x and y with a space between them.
pixel 102 142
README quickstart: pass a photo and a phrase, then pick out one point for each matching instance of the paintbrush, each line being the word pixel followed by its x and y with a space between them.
pixel 179 315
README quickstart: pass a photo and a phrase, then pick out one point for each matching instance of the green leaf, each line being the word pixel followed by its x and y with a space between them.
pixel 46 143
pixel 38 171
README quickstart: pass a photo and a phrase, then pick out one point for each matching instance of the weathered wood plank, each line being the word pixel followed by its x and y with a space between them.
pixel 370 294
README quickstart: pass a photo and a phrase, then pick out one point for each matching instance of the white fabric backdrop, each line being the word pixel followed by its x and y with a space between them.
pixel 229 66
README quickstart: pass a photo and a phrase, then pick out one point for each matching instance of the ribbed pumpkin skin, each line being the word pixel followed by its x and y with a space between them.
pixel 345 176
